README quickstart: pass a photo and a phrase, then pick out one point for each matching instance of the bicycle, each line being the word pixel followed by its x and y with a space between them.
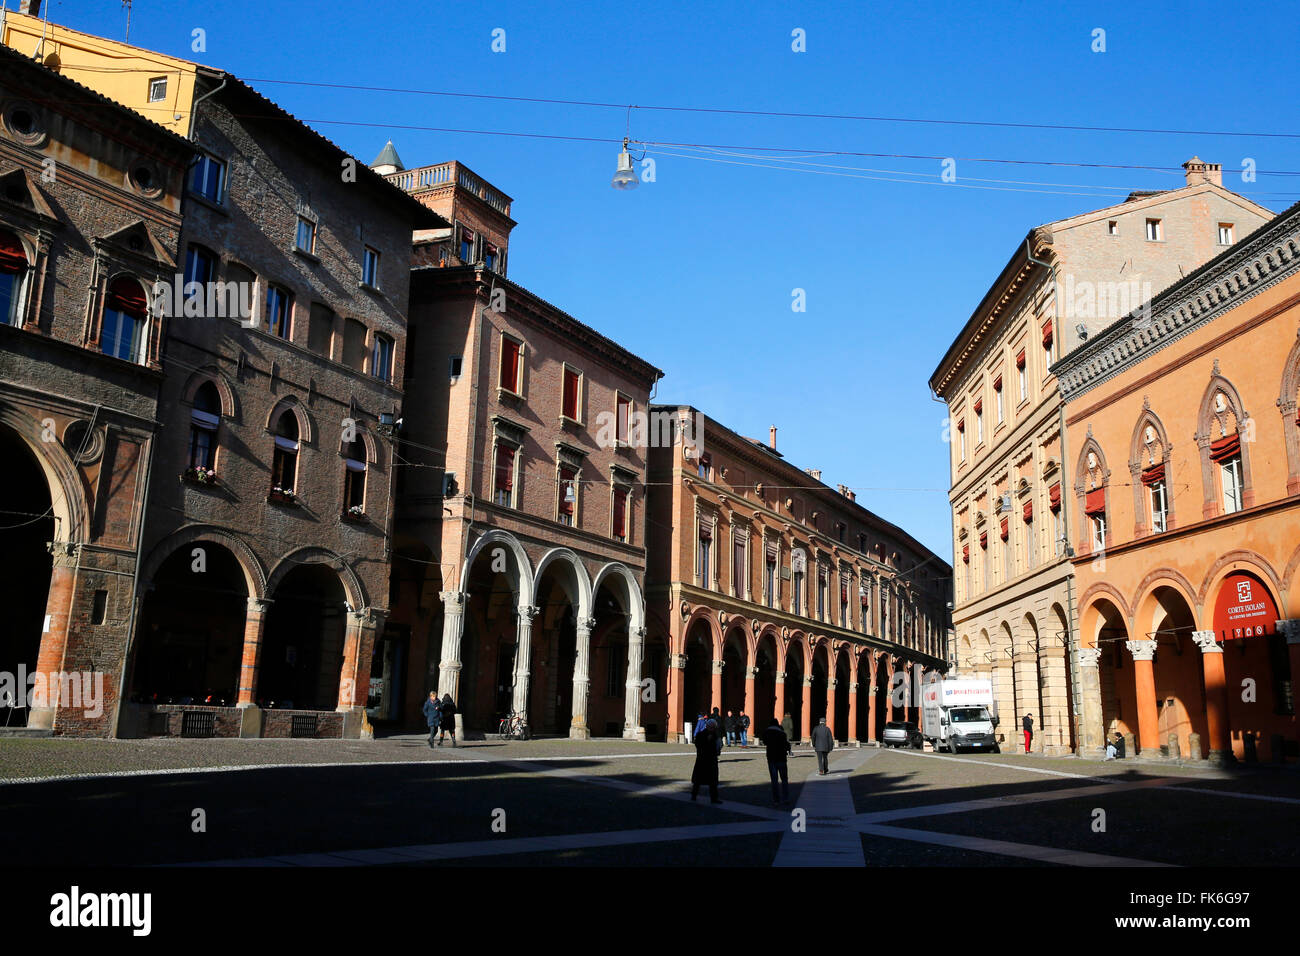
pixel 514 726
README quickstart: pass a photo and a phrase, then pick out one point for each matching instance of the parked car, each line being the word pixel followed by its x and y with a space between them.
pixel 902 733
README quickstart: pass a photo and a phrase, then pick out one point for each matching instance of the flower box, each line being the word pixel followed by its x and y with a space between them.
pixel 199 476
pixel 354 516
pixel 282 496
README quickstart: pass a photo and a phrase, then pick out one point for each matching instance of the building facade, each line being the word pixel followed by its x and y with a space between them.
pixel 1015 597
pixel 776 595
pixel 1184 489
pixel 90 218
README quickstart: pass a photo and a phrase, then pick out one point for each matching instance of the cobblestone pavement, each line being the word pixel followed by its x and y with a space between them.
pixel 395 801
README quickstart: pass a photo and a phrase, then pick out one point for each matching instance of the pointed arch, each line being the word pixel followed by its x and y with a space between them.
pixel 210 373
pixel 1207 418
pixel 293 406
pixel 1091 474
pixel 1146 451
pixel 1287 401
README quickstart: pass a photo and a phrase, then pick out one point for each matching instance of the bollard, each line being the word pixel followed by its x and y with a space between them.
pixel 1193 746
pixel 1130 745
pixel 1173 747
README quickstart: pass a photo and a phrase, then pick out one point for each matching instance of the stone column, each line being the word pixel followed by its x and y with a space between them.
pixel 871 697
pixel 778 710
pixel 805 719
pixel 1092 733
pixel 354 678
pixel 889 691
pixel 853 712
pixel 715 690
pixel 54 640
pixel 1025 669
pixel 831 684
pixel 1056 712
pixel 523 659
pixel 676 696
pixel 1216 697
pixel 578 729
pixel 453 626
pixel 1144 678
pixel 250 665
pixel 751 674
pixel 632 729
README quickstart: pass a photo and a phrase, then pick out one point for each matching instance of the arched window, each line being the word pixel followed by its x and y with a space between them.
pixel 13 278
pixel 125 319
pixel 354 477
pixel 205 416
pixel 284 466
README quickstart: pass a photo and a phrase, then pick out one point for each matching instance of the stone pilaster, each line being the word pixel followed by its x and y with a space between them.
pixel 453 627
pixel 523 659
pixel 632 729
pixel 1092 733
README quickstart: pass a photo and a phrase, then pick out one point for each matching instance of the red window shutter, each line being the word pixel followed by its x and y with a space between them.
pixel 862 597
pixel 1095 503
pixel 126 296
pixel 965 553
pixel 984 539
pixel 961 425
pixel 1029 511
pixel 510 365
pixel 1020 359
pixel 1224 448
pixel 505 468
pixel 1005 530
pixel 1047 334
pixel 844 594
pixel 1054 496
pixel 12 256
pixel 997 384
pixel 979 405
pixel 620 512
pixel 571 394
pixel 1153 474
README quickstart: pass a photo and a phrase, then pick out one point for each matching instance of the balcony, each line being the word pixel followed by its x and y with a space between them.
pixel 442 174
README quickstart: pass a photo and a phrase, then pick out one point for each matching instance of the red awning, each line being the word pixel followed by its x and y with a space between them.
pixel 1054 496
pixel 1020 359
pixel 12 256
pixel 961 425
pixel 1225 447
pixel 706 533
pixel 1047 334
pixel 1005 530
pixel 127 296
pixel 979 405
pixel 997 384
pixel 965 553
pixel 1153 474
pixel 844 594
pixel 984 539
pixel 1029 511
pixel 1095 503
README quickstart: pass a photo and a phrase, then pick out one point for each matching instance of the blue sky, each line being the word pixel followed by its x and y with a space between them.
pixel 695 271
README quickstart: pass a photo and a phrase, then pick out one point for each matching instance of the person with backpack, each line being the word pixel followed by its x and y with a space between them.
pixel 705 772
pixel 742 720
pixel 433 714
pixel 778 748
pixel 448 722
pixel 823 742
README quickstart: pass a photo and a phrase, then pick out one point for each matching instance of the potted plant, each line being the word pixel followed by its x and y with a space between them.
pixel 197 475
pixel 355 514
pixel 283 496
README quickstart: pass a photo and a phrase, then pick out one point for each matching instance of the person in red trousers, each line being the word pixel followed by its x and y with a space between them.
pixel 1028 724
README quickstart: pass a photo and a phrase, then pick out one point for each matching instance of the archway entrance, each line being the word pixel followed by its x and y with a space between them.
pixel 698 677
pixel 26 524
pixel 820 684
pixel 554 652
pixel 1180 687
pixel 842 693
pixel 764 685
pixel 489 640
pixel 302 656
pixel 794 671
pixel 734 653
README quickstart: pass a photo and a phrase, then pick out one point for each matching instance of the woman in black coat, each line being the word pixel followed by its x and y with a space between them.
pixel 448 724
pixel 706 762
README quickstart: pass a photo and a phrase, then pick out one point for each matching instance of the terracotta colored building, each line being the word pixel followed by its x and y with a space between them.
pixel 90 217
pixel 1184 493
pixel 775 594
pixel 1015 596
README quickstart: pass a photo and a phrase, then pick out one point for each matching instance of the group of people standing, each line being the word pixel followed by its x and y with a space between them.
pixel 441 715
pixel 708 739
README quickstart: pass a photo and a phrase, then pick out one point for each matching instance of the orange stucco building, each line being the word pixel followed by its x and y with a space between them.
pixel 1185 490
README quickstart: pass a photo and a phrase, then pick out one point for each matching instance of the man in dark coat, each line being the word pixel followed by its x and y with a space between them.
pixel 823 742
pixel 787 726
pixel 706 762
pixel 448 724
pixel 778 748
pixel 717 719
pixel 1028 725
pixel 433 714
pixel 733 731
pixel 742 727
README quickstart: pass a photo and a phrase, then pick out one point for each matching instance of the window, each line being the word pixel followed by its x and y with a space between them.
pixel 622 421
pixel 997 395
pixel 123 332
pixel 158 89
pixel 821 594
pixel 1159 505
pixel 1020 372
pixel 1094 509
pixel 370 268
pixel 961 437
pixel 1154 232
pixel 204 418
pixel 208 178
pixel 354 344
pixel 705 467
pixel 466 245
pixel 1112 228
pixel 1230 472
pixel 769 579
pixel 284 464
pixel 1225 233
pixel 1098 532
pixel 200 266
pixel 381 358
pixel 490 256
pixel 568 495
pixel 279 310
pixel 354 477
pixel 320 329
pixel 504 477
pixel 239 293
pixel 706 543
pixel 979 423
pixel 619 522
pixel 511 364
pixel 13 278
pixel 453 366
pixel 305 240
pixel 1049 355
pixel 796 595
pixel 572 392
pixel 844 604
pixel 739 570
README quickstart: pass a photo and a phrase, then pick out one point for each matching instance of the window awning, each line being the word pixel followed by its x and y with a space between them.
pixel 1153 474
pixel 1005 530
pixel 13 258
pixel 1225 447
pixel 1047 334
pixel 997 384
pixel 965 553
pixel 1029 511
pixel 984 539
pixel 127 296
pixel 1095 503
pixel 288 444
pixel 1054 496
pixel 1020 359
pixel 979 405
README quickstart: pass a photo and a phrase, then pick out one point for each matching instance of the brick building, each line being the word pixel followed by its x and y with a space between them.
pixel 774 594
pixel 90 218
pixel 1184 494
pixel 1015 599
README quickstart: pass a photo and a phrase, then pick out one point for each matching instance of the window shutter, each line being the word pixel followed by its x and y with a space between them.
pixel 571 394
pixel 1224 448
pixel 1054 496
pixel 505 468
pixel 620 512
pixel 1153 474
pixel 1095 503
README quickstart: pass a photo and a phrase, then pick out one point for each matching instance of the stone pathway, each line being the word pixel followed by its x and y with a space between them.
pixel 827 839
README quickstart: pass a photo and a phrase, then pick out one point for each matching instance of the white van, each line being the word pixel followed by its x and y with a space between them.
pixel 957 714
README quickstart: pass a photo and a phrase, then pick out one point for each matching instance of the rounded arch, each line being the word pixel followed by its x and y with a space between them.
pixel 367 442
pixel 1028 629
pixel 523 567
pixel 1159 577
pixel 68 491
pixel 254 575
pixel 1110 591
pixel 352 588
pixel 577 588
pixel 291 404
pixel 1101 613
pixel 737 624
pixel 805 654
pixel 210 373
pixel 705 614
pixel 635 597
pixel 1289 576
pixel 1230 562
pixel 1159 602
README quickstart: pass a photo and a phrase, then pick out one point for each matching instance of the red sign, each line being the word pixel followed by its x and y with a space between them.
pixel 1244 608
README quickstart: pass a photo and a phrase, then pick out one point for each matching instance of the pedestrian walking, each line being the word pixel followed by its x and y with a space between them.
pixel 778 748
pixel 1028 724
pixel 433 714
pixel 705 772
pixel 787 727
pixel 448 722
pixel 823 742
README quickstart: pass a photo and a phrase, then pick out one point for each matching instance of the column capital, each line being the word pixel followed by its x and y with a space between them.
pixel 257 605
pixel 780 677
pixel 807 682
pixel 833 683
pixel 587 624
pixel 677 661
pixel 1208 642
pixel 527 612
pixel 454 601
pixel 715 667
pixel 1141 650
pixel 853 687
pixel 751 673
pixel 873 690
pixel 637 633
pixel 1089 656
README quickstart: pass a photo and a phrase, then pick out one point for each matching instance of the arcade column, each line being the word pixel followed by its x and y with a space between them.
pixel 1144 680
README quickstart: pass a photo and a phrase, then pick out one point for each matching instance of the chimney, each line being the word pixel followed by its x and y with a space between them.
pixel 815 473
pixel 771 437
pixel 30 7
pixel 1199 172
pixel 847 492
